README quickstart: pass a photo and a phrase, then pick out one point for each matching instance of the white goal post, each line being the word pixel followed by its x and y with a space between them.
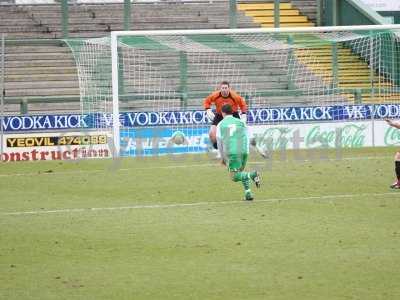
pixel 172 70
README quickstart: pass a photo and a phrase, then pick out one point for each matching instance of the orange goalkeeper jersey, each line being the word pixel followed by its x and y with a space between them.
pixel 233 99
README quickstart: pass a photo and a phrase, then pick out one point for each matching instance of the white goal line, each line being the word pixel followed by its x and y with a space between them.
pixel 194 204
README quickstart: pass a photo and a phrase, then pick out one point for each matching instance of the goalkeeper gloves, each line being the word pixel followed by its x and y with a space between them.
pixel 210 114
pixel 243 117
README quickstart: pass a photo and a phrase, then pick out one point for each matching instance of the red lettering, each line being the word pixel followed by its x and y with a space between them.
pixel 15 156
pixel 92 153
pixel 5 157
pixel 25 156
pixel 106 153
pixel 75 153
pixel 56 155
pixel 34 153
pixel 66 155
pixel 43 155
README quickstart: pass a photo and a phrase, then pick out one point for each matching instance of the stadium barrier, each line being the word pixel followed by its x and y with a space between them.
pixel 72 136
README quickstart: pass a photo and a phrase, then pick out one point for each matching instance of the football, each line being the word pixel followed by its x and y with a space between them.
pixel 178 138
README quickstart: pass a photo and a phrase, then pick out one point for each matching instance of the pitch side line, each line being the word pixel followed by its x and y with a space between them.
pixel 265 162
pixel 179 205
pixel 110 170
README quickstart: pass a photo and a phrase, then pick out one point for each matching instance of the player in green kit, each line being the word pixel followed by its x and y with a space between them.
pixel 233 144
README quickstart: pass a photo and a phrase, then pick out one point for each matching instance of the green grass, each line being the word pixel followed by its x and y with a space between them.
pixel 319 229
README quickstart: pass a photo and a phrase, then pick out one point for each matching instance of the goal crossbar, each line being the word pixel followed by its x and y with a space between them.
pixel 257 30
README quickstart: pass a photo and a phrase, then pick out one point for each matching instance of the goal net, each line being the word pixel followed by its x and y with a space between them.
pixel 144 87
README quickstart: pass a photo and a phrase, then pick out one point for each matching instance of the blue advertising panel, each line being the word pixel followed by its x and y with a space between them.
pixel 198 117
pixel 160 140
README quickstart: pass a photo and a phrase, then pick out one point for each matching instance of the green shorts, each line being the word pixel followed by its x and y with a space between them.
pixel 237 162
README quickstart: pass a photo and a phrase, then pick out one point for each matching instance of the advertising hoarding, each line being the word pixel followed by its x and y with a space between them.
pixel 198 117
pixel 55 146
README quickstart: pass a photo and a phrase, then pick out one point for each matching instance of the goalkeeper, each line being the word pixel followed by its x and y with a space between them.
pixel 220 97
pixel 233 145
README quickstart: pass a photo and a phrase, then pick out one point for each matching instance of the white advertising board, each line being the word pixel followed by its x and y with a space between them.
pixel 326 135
pixel 77 145
pixel 55 146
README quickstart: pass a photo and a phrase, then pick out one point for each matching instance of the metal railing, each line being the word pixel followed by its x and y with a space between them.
pixel 129 7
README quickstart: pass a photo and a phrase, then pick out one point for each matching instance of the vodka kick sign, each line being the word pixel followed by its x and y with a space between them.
pixel 256 116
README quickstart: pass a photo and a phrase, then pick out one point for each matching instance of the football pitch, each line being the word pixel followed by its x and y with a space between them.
pixel 325 226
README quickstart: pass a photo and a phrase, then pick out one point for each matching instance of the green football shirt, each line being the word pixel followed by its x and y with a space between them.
pixel 232 136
